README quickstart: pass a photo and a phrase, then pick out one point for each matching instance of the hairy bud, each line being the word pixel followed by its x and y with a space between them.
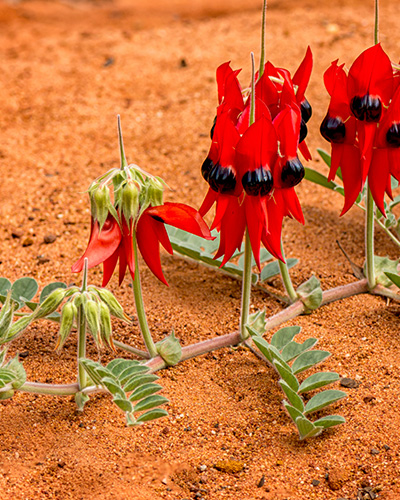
pixel 170 350
pixel 68 314
pixel 115 307
pixel 50 303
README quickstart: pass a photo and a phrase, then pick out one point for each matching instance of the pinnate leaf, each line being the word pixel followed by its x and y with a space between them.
pixel 330 421
pixel 293 349
pixel 308 359
pixel 283 336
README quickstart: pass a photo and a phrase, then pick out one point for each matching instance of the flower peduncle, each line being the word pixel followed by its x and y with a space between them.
pixel 124 163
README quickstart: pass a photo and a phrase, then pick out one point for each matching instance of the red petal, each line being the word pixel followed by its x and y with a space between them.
pixel 257 147
pixel 229 90
pixel 302 75
pixel 233 226
pixel 352 175
pixel 287 125
pixel 292 204
pixel 305 151
pixel 129 255
pixel 371 73
pixel 109 266
pixel 378 177
pixel 102 244
pixel 149 245
pixel 208 202
pixel 181 216
pixel 255 222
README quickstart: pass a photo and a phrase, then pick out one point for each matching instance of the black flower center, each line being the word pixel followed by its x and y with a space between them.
pixel 306 110
pixel 333 129
pixel 393 135
pixel 292 173
pixel 257 182
pixel 366 108
pixel 221 179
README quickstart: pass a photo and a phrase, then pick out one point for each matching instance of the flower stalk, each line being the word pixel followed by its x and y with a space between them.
pixel 141 314
pixel 287 282
pixel 369 239
pixel 81 320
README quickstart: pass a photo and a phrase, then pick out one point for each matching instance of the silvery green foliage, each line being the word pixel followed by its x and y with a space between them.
pixel 200 250
pixel 12 376
pixel 132 387
pixel 291 358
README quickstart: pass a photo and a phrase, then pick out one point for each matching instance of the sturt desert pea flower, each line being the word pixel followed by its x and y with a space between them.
pixel 137 215
pixel 361 112
pixel 250 172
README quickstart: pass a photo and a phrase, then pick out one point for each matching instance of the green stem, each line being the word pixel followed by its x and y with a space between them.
pixel 82 377
pixel 124 163
pixel 246 287
pixel 376 27
pixel 262 55
pixel 131 349
pixel 137 293
pixel 81 320
pixel 287 282
pixel 369 239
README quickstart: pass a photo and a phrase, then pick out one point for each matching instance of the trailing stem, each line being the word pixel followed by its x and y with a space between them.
pixel 141 314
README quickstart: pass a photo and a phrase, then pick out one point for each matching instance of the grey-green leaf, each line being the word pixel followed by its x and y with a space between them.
pixel 306 428
pixel 318 380
pixel 144 391
pixel 323 399
pixel 138 380
pixel 286 373
pixel 5 286
pixel 294 399
pixel 123 403
pixel 293 349
pixel 293 412
pixel 283 336
pixel 150 402
pixel 151 415
pixel 308 359
pixel 330 421
pixel 272 269
pixel 24 289
pixel 394 278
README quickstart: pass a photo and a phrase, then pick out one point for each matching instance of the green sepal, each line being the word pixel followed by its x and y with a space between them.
pixel 310 293
pixel 80 400
pixel 170 350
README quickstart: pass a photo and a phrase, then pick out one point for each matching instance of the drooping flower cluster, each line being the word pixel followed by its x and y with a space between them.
pixel 363 124
pixel 252 168
pixel 137 214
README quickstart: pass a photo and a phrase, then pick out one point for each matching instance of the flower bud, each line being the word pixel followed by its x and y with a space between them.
pixel 100 201
pixel 6 315
pixel 19 326
pixel 130 201
pixel 170 350
pixel 68 314
pixel 105 324
pixel 155 192
pixel 115 307
pixel 92 315
pixel 50 303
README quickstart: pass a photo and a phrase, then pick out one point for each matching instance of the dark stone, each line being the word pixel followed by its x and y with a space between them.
pixel 49 238
pixel 349 383
pixel 261 482
pixel 374 451
pixel 24 354
pixel 315 482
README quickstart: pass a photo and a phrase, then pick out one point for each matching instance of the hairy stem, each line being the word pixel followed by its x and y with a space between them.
pixel 131 349
pixel 246 287
pixel 141 314
pixel 369 239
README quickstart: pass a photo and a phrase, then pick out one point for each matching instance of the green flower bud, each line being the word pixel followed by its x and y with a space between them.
pixel 100 203
pixel 130 200
pixel 170 350
pixel 92 315
pixel 50 303
pixel 105 325
pixel 310 293
pixel 6 315
pixel 115 307
pixel 68 313
pixel 155 191
pixel 19 326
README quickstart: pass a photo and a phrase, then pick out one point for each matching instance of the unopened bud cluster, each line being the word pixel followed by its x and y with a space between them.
pixel 126 193
pixel 94 308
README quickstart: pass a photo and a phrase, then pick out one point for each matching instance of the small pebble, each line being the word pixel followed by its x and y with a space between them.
pixel 386 447
pixel 49 238
pixel 202 468
pixel 374 451
pixel 261 482
pixel 349 383
pixel 27 242
pixel 315 482
pixel 42 259
pixel 24 354
pixel 17 234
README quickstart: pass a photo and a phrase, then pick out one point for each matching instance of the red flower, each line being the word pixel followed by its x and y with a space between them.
pixel 251 179
pixel 362 109
pixel 115 242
